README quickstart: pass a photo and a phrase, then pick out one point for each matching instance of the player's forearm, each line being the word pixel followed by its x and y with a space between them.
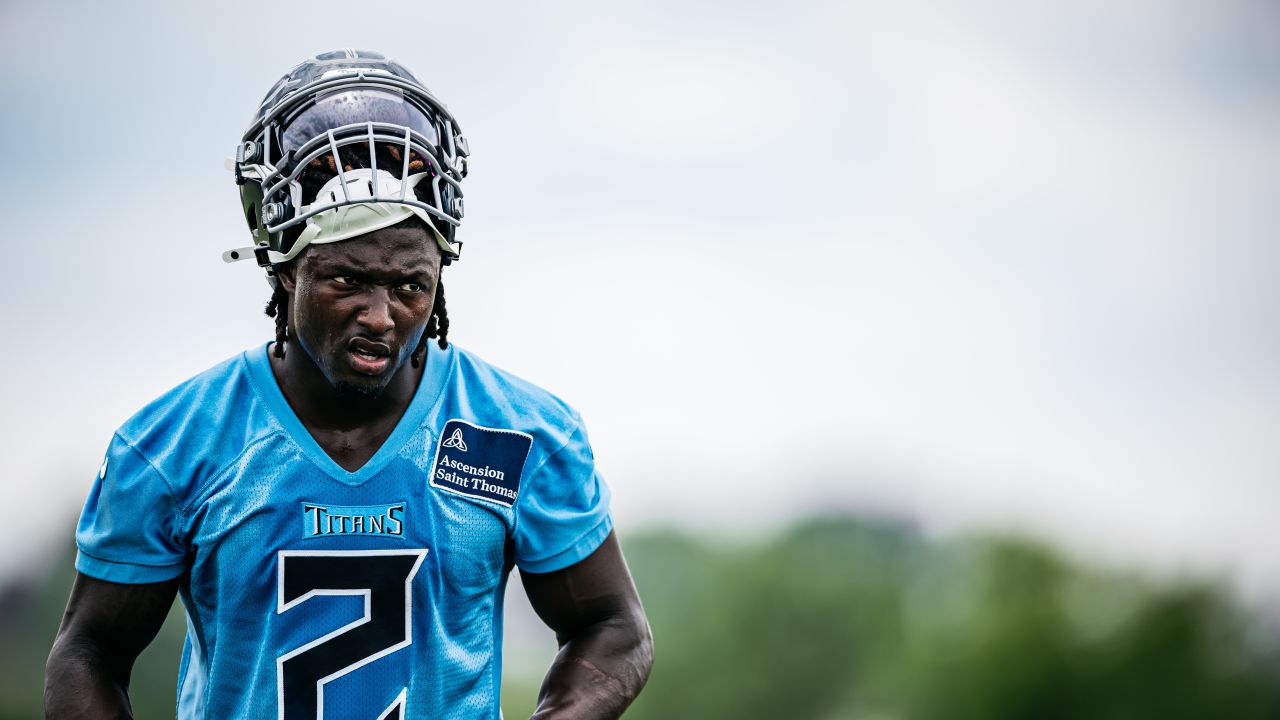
pixel 598 671
pixel 81 684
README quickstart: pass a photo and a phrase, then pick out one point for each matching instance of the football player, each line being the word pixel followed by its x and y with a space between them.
pixel 340 508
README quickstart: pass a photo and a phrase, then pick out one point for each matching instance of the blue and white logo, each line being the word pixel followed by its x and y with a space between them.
pixel 456 441
pixel 492 466
pixel 323 520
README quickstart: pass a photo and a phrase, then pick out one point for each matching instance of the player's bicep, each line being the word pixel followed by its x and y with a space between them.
pixel 115 620
pixel 596 589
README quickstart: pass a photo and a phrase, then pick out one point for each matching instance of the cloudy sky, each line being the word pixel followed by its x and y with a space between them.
pixel 973 263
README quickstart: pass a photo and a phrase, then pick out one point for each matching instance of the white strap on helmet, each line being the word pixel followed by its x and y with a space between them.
pixel 363 206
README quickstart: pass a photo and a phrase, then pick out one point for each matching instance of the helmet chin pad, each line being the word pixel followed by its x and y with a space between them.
pixel 360 201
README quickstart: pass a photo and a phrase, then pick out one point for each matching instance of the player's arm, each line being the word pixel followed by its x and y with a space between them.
pixel 606 649
pixel 105 627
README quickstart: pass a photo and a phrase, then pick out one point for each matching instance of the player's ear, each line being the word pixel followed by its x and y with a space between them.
pixel 286 278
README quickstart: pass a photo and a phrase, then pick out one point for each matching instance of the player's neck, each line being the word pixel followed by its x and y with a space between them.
pixel 319 405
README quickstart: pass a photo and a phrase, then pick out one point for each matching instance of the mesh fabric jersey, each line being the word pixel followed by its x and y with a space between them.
pixel 314 592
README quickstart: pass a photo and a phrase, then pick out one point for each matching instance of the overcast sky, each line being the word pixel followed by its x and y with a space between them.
pixel 973 263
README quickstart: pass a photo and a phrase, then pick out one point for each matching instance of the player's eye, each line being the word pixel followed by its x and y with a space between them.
pixel 345 280
pixel 411 287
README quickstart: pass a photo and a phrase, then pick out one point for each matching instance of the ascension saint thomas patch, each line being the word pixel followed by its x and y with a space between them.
pixel 480 462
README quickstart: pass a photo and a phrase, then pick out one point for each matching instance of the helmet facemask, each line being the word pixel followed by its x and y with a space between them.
pixel 349 138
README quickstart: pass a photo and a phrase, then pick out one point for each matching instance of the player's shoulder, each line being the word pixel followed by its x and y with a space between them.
pixel 500 398
pixel 190 429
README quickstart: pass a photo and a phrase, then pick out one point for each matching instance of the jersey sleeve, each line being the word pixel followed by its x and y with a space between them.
pixel 129 529
pixel 564 514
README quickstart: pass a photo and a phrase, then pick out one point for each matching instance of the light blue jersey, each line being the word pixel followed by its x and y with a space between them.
pixel 313 592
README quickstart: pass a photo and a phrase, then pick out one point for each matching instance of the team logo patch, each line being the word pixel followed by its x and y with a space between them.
pixel 323 520
pixel 480 462
pixel 456 441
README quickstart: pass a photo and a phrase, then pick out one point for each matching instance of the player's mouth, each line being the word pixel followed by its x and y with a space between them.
pixel 368 357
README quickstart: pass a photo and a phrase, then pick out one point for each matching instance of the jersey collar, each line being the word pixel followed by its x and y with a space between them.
pixel 425 399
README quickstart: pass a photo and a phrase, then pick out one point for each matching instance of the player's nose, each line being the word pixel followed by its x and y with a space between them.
pixel 375 317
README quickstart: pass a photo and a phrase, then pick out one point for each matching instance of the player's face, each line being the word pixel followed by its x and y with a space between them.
pixel 358 307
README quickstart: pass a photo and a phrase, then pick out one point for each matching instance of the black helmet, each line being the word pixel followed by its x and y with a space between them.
pixel 362 122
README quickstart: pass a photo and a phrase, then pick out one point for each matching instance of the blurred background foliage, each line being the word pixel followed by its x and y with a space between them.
pixel 854 618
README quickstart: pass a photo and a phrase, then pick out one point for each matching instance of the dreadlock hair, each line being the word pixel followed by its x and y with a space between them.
pixel 312 178
pixel 437 325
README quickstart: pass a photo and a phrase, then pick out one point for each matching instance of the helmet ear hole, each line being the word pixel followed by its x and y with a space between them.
pixel 289 237
pixel 251 217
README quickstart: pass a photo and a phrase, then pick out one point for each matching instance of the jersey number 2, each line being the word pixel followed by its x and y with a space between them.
pixel 384 579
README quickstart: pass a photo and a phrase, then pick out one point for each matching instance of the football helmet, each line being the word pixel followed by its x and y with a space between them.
pixel 392 149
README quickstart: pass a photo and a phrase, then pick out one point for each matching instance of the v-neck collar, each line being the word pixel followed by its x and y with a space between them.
pixel 425 399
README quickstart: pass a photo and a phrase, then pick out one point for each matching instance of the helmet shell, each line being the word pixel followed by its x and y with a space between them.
pixel 329 106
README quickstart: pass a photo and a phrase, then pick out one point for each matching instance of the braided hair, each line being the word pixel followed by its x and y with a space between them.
pixel 314 176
